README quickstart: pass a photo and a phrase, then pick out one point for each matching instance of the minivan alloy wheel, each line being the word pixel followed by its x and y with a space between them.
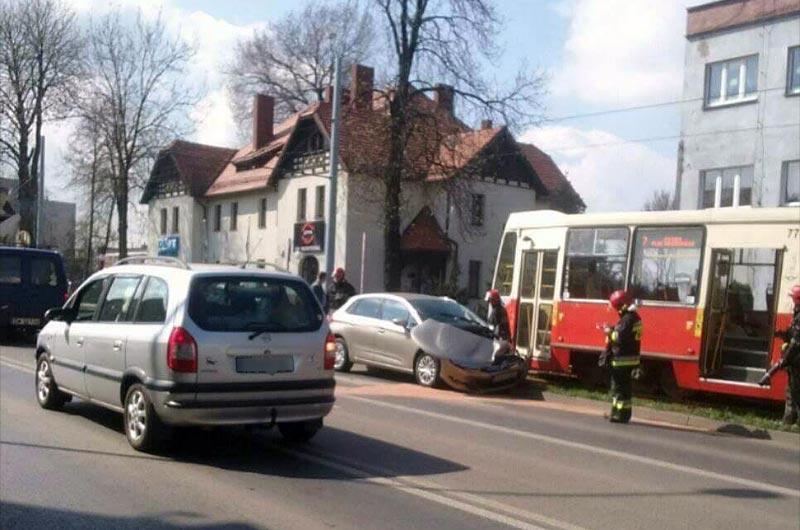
pixel 43 380
pixel 48 394
pixel 137 415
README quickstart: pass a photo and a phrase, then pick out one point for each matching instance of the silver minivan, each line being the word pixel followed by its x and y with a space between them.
pixel 170 345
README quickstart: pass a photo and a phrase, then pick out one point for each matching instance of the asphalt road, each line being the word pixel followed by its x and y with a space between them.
pixel 392 455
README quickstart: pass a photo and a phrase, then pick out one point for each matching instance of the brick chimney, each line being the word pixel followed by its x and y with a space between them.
pixel 445 94
pixel 361 82
pixel 486 124
pixel 263 116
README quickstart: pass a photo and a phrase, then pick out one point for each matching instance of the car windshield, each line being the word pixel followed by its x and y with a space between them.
pixel 245 303
pixel 444 310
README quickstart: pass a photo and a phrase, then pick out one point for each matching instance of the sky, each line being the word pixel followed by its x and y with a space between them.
pixel 601 57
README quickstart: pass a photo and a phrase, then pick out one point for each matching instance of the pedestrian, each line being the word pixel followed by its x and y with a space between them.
pixel 340 290
pixel 498 320
pixel 623 344
pixel 318 288
pixel 790 360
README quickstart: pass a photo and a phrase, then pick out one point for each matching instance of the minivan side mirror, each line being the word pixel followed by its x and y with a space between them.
pixel 400 322
pixel 63 314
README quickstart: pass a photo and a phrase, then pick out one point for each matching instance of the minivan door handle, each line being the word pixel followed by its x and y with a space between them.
pixel 117 345
pixel 79 341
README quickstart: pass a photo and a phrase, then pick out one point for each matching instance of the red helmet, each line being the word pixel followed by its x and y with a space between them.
pixel 493 296
pixel 794 294
pixel 619 300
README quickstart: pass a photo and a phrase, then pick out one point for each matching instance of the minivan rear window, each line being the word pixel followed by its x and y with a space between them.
pixel 10 269
pixel 253 303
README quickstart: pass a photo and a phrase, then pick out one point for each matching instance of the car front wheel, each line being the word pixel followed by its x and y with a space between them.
pixel 143 427
pixel 426 370
pixel 342 361
pixel 47 392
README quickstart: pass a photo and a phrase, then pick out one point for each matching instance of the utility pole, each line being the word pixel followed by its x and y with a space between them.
pixel 330 230
pixel 40 195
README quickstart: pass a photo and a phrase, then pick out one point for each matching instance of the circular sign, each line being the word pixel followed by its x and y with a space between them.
pixel 307 234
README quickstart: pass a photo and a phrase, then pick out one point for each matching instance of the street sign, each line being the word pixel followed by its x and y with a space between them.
pixel 309 236
pixel 169 246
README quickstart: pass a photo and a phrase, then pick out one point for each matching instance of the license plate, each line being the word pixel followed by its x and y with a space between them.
pixel 265 364
pixel 19 321
pixel 504 377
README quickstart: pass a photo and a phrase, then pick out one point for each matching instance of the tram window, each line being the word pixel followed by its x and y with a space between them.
pixel 505 266
pixel 666 264
pixel 595 264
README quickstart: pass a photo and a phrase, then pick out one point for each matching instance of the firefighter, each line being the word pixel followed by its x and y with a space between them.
pixel 623 343
pixel 790 360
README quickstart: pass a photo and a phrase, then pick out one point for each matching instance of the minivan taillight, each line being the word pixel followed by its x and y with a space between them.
pixel 330 351
pixel 181 351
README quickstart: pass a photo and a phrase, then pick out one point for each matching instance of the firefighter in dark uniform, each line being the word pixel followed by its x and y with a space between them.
pixel 790 360
pixel 623 343
pixel 498 316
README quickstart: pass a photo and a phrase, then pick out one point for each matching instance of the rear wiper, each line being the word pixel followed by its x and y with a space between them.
pixel 263 327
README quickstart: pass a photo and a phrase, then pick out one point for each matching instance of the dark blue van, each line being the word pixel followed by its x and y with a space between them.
pixel 31 282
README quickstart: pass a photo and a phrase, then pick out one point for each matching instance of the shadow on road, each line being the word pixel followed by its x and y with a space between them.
pixel 745 432
pixel 735 493
pixel 14 515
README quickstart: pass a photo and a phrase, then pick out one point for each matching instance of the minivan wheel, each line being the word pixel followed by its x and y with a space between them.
pixel 47 392
pixel 342 361
pixel 426 370
pixel 300 431
pixel 143 427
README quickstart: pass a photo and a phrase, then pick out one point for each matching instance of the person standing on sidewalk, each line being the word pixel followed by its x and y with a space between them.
pixel 790 360
pixel 623 344
pixel 318 288
pixel 340 290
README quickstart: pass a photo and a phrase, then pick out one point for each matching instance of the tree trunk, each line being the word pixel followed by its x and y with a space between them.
pixel 27 189
pixel 91 212
pixel 392 258
pixel 122 215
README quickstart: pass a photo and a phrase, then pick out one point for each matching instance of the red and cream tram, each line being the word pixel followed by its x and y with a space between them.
pixel 710 286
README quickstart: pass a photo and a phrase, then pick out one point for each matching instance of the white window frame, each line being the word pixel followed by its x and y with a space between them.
pixel 785 183
pixel 737 187
pixel 724 98
pixel 791 64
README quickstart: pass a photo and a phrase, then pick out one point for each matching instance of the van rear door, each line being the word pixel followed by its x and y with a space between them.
pixel 46 284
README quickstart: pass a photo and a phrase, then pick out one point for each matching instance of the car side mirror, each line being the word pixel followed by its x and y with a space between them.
pixel 65 314
pixel 400 322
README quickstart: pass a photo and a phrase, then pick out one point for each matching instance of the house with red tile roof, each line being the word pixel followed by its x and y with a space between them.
pixel 268 200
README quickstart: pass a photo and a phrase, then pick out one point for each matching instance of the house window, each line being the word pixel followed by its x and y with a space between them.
pixel 732 81
pixel 793 71
pixel 729 186
pixel 790 188
pixel 319 212
pixel 175 219
pixel 477 209
pixel 163 222
pixel 217 217
pixel 262 213
pixel 234 216
pixel 474 284
pixel 301 204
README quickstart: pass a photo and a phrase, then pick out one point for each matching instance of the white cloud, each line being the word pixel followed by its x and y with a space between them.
pixel 622 52
pixel 609 174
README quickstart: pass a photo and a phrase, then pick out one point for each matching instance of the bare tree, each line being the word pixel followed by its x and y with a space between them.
pixel 293 58
pixel 660 201
pixel 40 61
pixel 137 99
pixel 446 40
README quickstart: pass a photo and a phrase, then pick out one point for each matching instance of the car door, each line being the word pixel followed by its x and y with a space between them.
pixel 148 314
pixel 393 342
pixel 104 346
pixel 67 346
pixel 365 322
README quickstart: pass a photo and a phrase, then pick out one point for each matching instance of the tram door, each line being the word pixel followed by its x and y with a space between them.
pixel 537 288
pixel 717 312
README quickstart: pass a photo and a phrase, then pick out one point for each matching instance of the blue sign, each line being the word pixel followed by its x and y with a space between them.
pixel 169 246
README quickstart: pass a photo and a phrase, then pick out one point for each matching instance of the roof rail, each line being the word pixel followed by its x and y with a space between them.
pixel 166 261
pixel 261 264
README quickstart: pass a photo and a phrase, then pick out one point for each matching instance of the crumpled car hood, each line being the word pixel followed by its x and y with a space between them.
pixel 445 341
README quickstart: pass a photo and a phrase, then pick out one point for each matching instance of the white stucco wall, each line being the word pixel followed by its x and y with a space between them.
pixel 713 138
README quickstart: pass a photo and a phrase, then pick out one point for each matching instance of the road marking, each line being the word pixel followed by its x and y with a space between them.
pixel 18 366
pixel 414 490
pixel 429 486
pixel 764 486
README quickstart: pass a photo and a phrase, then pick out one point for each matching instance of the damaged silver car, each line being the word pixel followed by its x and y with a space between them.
pixel 436 339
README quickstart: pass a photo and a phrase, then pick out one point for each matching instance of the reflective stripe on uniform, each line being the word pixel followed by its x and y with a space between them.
pixel 625 361
pixel 621 405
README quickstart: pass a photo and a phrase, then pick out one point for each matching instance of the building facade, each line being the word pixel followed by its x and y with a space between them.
pixel 740 123
pixel 268 201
